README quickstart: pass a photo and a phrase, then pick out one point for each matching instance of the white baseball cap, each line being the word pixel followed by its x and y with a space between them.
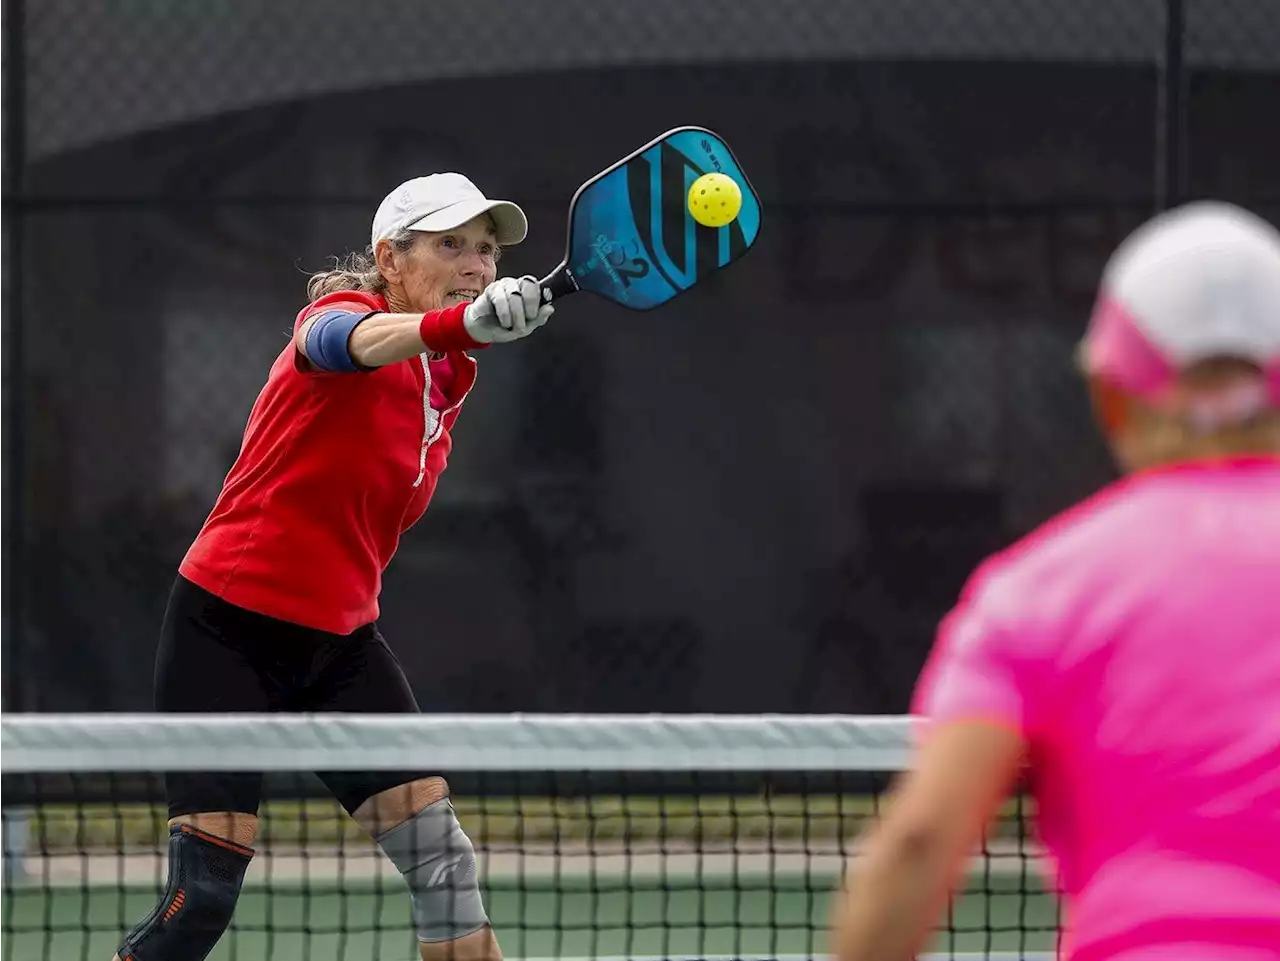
pixel 1199 281
pixel 443 202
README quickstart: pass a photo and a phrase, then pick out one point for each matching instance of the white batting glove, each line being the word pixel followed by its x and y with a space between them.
pixel 508 309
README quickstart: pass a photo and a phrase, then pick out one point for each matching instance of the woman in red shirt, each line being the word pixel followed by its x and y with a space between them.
pixel 276 603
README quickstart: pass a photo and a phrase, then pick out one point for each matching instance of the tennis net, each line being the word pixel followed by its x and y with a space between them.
pixel 657 836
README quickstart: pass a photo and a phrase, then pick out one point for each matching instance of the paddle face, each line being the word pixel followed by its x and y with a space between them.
pixel 632 239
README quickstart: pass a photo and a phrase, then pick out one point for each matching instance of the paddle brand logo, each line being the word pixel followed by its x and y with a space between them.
pixel 612 257
pixel 711 155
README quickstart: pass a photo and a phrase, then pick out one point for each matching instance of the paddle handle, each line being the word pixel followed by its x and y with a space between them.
pixel 559 283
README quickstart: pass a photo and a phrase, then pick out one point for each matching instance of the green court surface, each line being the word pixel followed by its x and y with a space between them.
pixel 327 919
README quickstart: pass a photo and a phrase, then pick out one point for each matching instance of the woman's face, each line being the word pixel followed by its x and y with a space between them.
pixel 441 269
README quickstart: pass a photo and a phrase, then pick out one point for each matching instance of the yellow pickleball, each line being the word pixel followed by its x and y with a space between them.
pixel 715 200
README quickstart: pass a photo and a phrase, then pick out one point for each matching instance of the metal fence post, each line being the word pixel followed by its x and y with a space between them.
pixel 1171 122
pixel 13 626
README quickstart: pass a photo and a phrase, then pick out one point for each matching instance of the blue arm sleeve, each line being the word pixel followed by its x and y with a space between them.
pixel 327 339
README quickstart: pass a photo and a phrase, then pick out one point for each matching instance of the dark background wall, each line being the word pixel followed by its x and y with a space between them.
pixel 760 498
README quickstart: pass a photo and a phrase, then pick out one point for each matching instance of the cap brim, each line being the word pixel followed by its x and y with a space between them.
pixel 509 220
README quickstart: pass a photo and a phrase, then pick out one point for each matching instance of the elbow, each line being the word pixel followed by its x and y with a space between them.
pixel 331 344
pixel 915 849
pixel 919 838
pixel 918 844
pixel 360 356
pixel 931 836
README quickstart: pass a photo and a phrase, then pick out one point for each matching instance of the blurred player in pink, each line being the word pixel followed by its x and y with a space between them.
pixel 1128 652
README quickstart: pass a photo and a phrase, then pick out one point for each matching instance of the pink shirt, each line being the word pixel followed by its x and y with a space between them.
pixel 1134 641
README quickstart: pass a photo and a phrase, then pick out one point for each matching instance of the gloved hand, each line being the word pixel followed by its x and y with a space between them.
pixel 508 309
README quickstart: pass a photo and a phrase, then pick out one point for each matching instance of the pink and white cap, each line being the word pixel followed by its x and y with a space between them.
pixel 1199 281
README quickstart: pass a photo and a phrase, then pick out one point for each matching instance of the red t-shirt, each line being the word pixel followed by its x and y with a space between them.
pixel 332 470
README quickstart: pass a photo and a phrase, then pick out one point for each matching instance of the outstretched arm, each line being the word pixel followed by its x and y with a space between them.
pixel 341 339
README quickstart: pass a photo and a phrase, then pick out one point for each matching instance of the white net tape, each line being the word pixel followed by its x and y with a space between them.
pixel 457 742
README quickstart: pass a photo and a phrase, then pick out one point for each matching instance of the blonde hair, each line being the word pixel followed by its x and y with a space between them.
pixel 357 271
pixel 1155 435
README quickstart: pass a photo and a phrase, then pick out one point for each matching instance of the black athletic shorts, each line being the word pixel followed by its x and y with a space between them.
pixel 217 657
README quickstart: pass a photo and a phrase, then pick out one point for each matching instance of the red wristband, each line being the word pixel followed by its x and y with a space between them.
pixel 443 330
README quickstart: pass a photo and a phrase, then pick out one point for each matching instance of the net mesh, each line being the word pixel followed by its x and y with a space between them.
pixel 610 836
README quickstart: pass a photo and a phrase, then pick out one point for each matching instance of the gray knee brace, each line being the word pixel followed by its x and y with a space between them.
pixel 439 865
pixel 205 874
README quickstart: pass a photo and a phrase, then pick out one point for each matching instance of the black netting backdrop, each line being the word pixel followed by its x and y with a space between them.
pixel 759 498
